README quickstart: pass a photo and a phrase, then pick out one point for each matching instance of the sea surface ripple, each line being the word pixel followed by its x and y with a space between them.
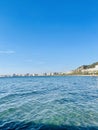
pixel 49 103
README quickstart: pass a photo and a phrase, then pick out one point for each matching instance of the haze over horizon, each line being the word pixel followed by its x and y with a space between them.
pixel 47 36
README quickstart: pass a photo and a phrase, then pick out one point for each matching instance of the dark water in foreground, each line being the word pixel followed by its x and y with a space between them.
pixel 49 103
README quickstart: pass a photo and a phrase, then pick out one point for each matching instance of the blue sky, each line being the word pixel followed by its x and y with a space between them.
pixel 47 35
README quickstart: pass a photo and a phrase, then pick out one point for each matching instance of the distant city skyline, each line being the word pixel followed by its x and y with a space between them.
pixel 47 36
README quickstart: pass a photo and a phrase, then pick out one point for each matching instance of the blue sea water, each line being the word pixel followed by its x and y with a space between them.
pixel 49 103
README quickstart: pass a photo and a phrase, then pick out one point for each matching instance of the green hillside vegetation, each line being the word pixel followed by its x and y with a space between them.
pixel 92 65
pixel 79 71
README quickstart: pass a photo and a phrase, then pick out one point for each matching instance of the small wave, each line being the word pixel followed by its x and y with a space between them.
pixel 34 126
pixel 65 100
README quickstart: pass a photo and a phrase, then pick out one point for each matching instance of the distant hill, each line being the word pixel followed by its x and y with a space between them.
pixel 87 69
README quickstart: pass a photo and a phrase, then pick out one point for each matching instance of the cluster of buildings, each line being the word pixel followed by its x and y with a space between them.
pixel 34 74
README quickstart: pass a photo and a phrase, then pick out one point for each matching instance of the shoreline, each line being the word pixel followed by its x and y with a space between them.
pixel 48 76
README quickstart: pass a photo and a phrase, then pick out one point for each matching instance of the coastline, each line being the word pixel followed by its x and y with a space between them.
pixel 49 76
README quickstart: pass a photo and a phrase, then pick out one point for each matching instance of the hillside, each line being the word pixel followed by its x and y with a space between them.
pixel 91 69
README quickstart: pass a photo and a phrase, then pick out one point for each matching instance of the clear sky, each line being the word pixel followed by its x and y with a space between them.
pixel 47 35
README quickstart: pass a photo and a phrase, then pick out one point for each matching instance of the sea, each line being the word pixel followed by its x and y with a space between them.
pixel 49 103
